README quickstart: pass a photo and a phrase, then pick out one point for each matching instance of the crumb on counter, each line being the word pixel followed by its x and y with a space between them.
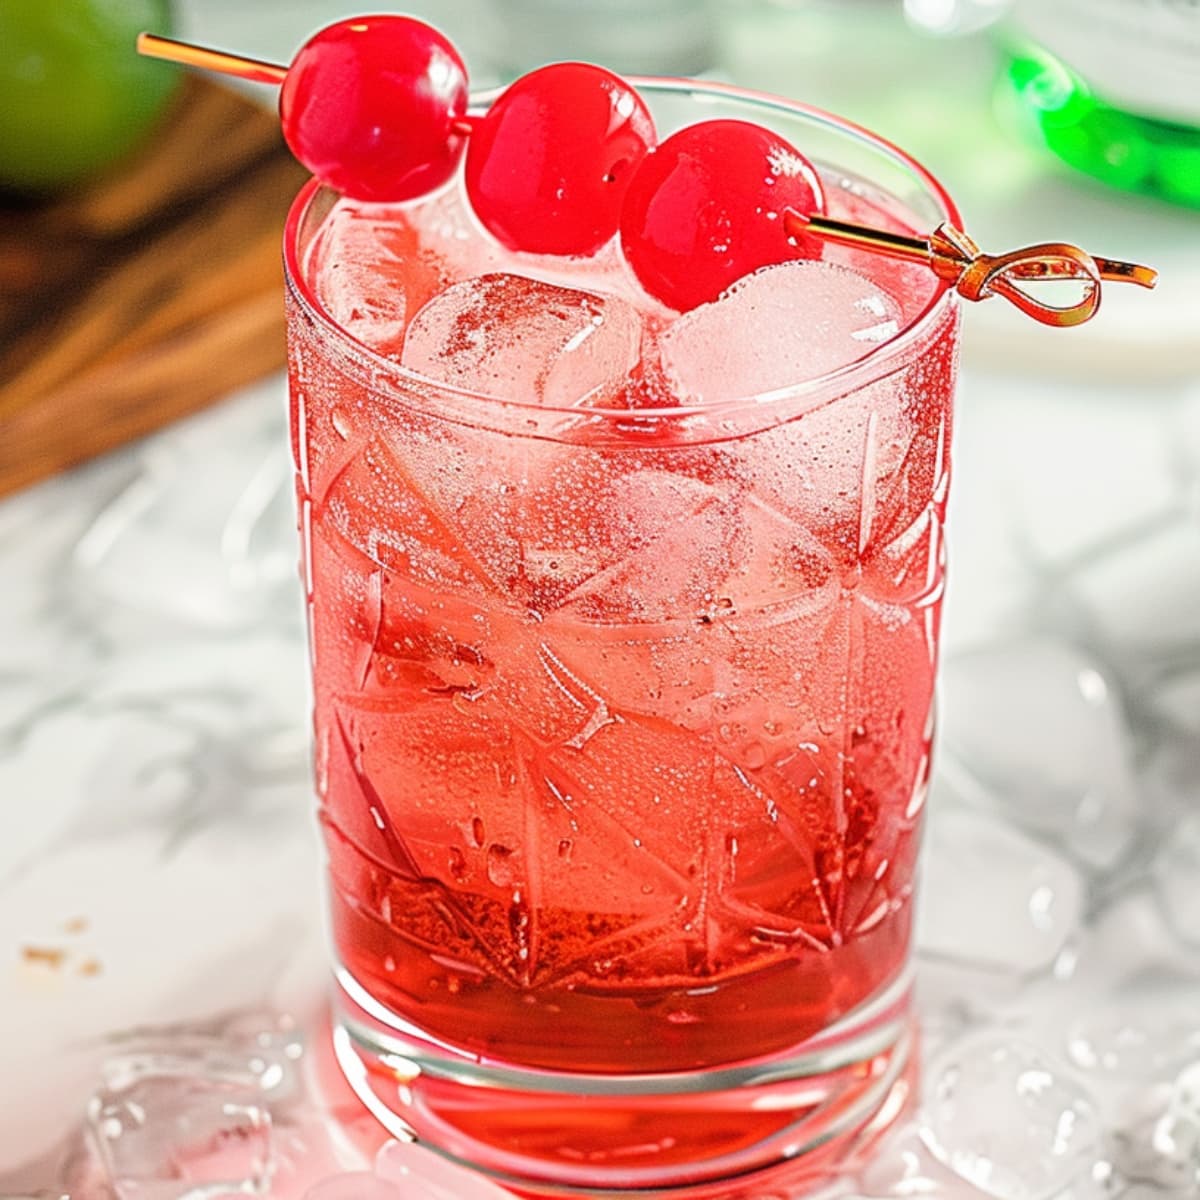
pixel 48 956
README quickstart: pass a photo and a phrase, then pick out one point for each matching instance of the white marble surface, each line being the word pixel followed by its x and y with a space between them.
pixel 158 857
pixel 159 862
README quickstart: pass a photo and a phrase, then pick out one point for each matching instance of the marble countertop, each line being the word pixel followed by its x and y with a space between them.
pixel 159 864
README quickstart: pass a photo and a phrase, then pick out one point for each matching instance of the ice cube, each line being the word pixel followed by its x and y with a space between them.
pixel 1177 879
pixel 534 517
pixel 991 896
pixel 1126 946
pixel 356 1185
pixel 183 1108
pixel 778 564
pixel 911 282
pixel 1145 1027
pixel 449 232
pixel 1034 730
pixel 1177 1132
pixel 953 997
pixel 271 1046
pixel 1177 702
pixel 1158 1138
pixel 904 1167
pixel 1008 1119
pixel 260 1049
pixel 860 471
pixel 672 538
pixel 372 270
pixel 178 1131
pixel 421 1172
pixel 523 340
pixel 1140 594
pixel 778 327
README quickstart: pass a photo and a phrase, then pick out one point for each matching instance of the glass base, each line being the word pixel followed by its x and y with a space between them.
pixel 772 1126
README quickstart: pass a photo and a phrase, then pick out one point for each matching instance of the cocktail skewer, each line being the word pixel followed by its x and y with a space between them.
pixel 153 45
pixel 953 256
pixel 948 252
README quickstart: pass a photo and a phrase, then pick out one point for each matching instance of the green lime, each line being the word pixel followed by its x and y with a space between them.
pixel 74 93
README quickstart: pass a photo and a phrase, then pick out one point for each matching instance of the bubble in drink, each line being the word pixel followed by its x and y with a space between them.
pixel 520 339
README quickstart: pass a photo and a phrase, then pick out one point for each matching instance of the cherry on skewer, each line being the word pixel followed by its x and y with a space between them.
pixel 549 164
pixel 706 208
pixel 373 106
pixel 376 108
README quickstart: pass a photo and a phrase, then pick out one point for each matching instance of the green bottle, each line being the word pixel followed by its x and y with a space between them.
pixel 1112 87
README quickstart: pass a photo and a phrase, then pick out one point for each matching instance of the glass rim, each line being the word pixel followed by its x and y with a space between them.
pixel 839 381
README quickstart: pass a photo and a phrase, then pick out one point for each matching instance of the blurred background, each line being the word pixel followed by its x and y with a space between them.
pixel 1075 120
pixel 996 97
pixel 156 857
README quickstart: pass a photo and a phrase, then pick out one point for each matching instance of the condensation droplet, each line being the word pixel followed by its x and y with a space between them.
pixel 499 865
pixel 754 755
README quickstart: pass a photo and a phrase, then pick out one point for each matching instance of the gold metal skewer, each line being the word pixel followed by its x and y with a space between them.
pixel 152 45
pixel 953 256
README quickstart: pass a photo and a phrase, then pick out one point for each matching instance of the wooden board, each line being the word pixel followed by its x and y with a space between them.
pixel 150 294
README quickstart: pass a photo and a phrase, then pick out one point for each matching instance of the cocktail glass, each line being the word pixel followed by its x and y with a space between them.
pixel 623 721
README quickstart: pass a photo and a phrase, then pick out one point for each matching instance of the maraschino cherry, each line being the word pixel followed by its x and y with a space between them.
pixel 548 165
pixel 373 106
pixel 370 105
pixel 707 206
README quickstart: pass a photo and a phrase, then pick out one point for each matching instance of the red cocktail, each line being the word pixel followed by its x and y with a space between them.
pixel 624 629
